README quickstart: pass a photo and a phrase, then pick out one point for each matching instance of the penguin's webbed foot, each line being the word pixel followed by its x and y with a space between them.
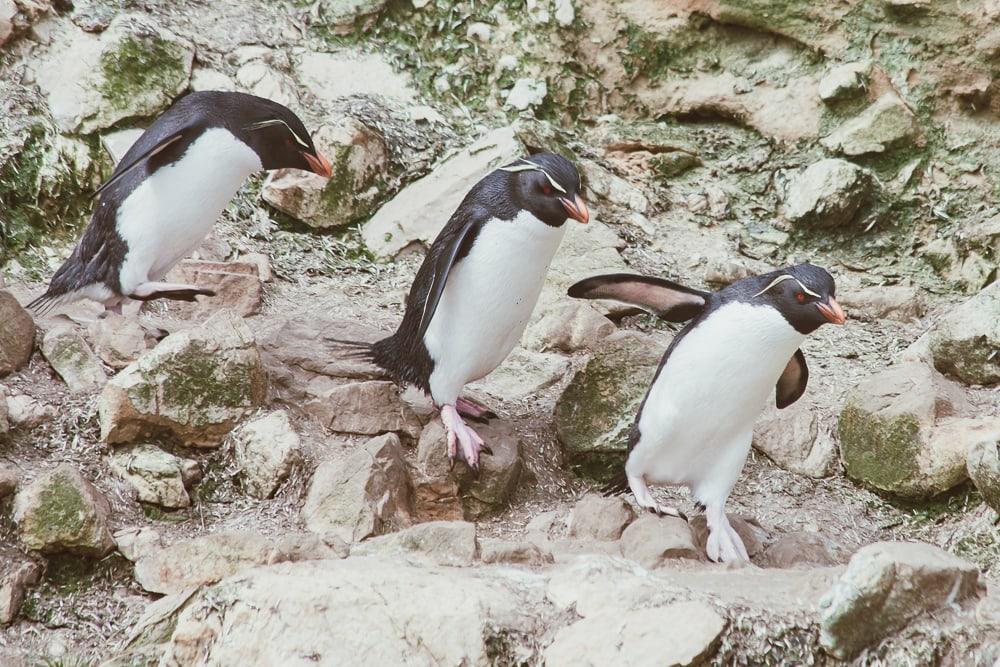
pixel 474 410
pixel 463 442
pixel 724 544
pixel 646 501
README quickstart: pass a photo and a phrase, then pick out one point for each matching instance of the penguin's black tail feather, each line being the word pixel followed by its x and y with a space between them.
pixel 44 303
pixel 358 350
pixel 616 486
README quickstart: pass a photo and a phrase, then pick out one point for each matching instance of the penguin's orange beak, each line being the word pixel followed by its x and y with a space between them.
pixel 319 164
pixel 576 209
pixel 831 311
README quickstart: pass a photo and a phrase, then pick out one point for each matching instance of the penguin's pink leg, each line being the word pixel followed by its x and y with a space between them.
pixel 459 431
pixel 645 499
pixel 724 543
pixel 473 410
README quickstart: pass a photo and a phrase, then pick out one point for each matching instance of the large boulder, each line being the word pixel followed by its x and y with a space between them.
pixel 266 449
pixel 884 125
pixel 422 208
pixel 158 477
pixel 195 385
pixel 62 512
pixel 684 633
pixel 479 494
pixel 885 587
pixel 595 412
pixel 71 357
pixel 965 343
pixel 900 431
pixel 828 193
pixel 133 69
pixel 368 493
pixel 17 335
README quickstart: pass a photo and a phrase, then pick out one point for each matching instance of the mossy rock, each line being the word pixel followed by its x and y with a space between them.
pixel 984 470
pixel 595 413
pixel 965 343
pixel 879 451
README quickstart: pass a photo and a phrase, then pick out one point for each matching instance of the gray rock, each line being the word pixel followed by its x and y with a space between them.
pixel 843 81
pixel 118 340
pixel 28 412
pixel 599 518
pixel 195 385
pixel 17 574
pixel 653 541
pixel 237 286
pixel 70 356
pixel 158 477
pixel 517 553
pixel 137 542
pixel 210 558
pixel 135 68
pixel 499 473
pixel 885 587
pixel 16 16
pixel 828 193
pixel 366 408
pixel 888 437
pixel 795 440
pixel 527 93
pixel 17 335
pixel 683 633
pixel 9 478
pixel 420 210
pixel 799 550
pixel 266 449
pixel 984 470
pixel 4 412
pixel 885 124
pixel 61 511
pixel 883 302
pixel 366 494
pixel 360 160
pixel 343 16
pixel 965 343
pixel 595 412
pixel 568 327
pixel 523 374
pixel 440 542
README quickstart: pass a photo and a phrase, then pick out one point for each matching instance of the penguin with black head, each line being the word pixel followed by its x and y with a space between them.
pixel 695 425
pixel 474 293
pixel 169 189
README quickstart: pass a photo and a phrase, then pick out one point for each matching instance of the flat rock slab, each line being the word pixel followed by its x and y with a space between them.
pixel 440 542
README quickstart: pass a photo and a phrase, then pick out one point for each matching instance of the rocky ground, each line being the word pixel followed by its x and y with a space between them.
pixel 220 484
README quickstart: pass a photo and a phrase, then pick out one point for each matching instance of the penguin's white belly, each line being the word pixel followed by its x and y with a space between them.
pixel 697 423
pixel 488 300
pixel 170 213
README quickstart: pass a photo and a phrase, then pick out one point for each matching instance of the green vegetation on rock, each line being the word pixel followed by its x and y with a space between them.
pixel 879 451
pixel 140 65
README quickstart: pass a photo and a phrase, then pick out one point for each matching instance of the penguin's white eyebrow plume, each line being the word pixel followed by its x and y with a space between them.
pixel 695 425
pixel 531 166
pixel 277 121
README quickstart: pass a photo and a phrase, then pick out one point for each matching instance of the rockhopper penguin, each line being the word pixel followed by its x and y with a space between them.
pixel 170 188
pixel 695 424
pixel 477 286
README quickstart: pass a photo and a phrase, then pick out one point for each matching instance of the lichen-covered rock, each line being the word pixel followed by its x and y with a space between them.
pixel 158 477
pixel 683 633
pixel 421 209
pixel 196 384
pixel 527 93
pixel 965 343
pixel 17 573
pixel 366 494
pixel 828 193
pixel 266 449
pixel 440 542
pixel 653 541
pixel 887 432
pixel 344 16
pixel 596 517
pixel 17 335
pixel 481 494
pixel 71 357
pixel 359 158
pixel 135 68
pixel 209 558
pixel 984 470
pixel 887 123
pixel 595 412
pixel 886 586
pixel 62 511
pixel 844 81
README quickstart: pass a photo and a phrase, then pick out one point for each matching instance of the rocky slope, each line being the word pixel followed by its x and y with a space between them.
pixel 239 492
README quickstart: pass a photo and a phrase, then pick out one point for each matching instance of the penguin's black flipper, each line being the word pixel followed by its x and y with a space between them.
pixel 793 380
pixel 458 246
pixel 668 300
pixel 124 168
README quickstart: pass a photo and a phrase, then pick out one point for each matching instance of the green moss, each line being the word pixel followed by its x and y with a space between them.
pixel 199 381
pixel 140 64
pixel 61 509
pixel 878 451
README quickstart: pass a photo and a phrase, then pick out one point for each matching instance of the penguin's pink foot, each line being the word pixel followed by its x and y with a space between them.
pixel 473 410
pixel 724 543
pixel 460 435
pixel 646 501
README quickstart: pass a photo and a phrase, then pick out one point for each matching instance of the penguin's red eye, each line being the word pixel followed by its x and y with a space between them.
pixel 800 297
pixel 546 188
